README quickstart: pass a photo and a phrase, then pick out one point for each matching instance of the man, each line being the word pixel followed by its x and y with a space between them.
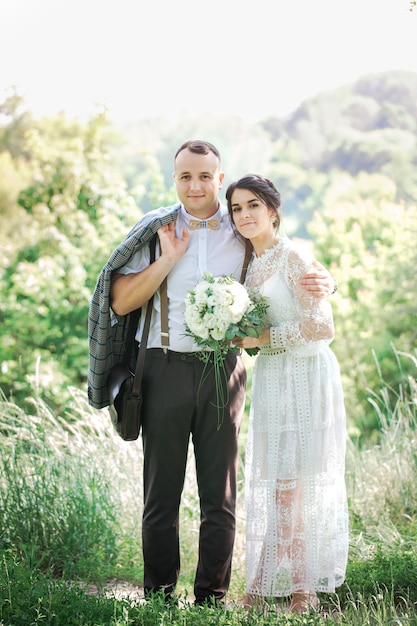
pixel 195 236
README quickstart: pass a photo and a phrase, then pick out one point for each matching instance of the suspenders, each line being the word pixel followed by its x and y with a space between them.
pixel 164 295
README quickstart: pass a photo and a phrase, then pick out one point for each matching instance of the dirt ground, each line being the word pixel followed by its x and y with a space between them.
pixel 115 588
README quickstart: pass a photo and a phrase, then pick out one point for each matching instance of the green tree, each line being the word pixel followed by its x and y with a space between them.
pixel 72 209
pixel 366 238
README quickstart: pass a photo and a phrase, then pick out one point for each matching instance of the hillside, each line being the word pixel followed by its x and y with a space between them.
pixel 370 125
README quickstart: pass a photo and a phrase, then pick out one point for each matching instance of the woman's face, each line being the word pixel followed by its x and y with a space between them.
pixel 251 215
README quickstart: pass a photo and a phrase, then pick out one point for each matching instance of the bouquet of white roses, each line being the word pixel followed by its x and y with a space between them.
pixel 216 310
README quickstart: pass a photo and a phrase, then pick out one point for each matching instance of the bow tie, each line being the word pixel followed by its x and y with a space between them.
pixel 210 224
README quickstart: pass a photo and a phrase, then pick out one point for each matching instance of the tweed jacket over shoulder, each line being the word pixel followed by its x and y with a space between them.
pixel 106 330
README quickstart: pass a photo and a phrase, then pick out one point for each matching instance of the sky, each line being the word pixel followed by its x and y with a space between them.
pixel 142 58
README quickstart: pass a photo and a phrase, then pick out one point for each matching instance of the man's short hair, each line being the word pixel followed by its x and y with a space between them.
pixel 198 147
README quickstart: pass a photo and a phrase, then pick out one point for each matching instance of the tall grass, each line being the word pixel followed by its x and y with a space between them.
pixel 70 495
pixel 71 506
pixel 382 479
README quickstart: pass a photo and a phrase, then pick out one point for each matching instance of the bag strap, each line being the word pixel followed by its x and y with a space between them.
pixel 140 360
pixel 135 315
pixel 130 337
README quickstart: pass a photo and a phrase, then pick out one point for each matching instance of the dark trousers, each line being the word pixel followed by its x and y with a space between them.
pixel 175 406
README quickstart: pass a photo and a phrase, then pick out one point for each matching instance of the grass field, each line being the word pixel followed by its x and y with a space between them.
pixel 70 538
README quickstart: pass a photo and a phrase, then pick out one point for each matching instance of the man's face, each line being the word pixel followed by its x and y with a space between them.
pixel 198 179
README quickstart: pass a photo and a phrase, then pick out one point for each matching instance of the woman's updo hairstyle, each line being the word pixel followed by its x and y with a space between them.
pixel 261 187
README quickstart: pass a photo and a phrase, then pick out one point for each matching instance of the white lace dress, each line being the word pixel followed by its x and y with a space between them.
pixel 296 506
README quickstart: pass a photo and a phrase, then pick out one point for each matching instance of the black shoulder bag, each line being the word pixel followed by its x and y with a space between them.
pixel 125 386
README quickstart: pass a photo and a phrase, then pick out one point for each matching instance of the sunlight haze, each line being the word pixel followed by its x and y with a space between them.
pixel 223 57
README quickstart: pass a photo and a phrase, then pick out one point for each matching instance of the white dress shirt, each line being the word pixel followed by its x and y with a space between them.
pixel 215 251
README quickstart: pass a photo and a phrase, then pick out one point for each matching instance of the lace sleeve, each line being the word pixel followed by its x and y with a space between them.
pixel 313 320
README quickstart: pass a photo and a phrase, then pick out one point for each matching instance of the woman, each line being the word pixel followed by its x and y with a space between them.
pixel 296 506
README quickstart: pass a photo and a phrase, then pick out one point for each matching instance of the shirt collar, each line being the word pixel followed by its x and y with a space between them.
pixel 219 215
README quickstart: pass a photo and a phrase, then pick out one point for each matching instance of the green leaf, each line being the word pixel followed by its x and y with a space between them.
pixel 252 351
pixel 232 331
pixel 252 332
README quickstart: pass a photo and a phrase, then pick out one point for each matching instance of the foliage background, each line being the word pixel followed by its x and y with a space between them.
pixel 70 489
pixel 344 161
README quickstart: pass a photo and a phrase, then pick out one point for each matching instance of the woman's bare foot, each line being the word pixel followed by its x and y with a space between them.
pixel 304 601
pixel 250 600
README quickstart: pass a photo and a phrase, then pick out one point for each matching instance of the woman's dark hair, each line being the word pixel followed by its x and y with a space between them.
pixel 262 188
